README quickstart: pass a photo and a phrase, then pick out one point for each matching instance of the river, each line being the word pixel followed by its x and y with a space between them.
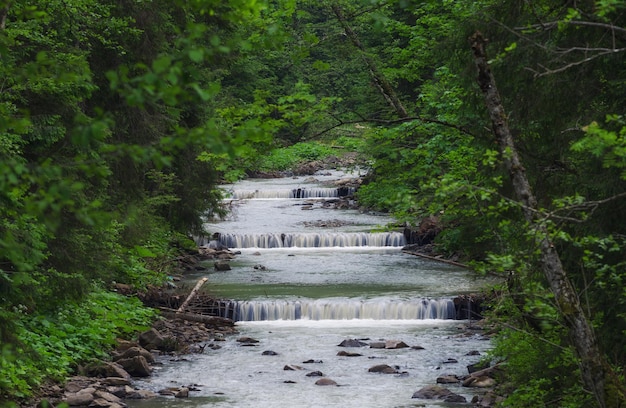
pixel 307 278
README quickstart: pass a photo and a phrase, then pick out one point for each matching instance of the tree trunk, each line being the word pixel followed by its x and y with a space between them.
pixel 380 81
pixel 597 375
pixel 192 294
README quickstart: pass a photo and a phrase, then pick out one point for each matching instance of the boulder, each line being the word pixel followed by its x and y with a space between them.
pixel 343 353
pixel 377 345
pixel 247 340
pixel 182 393
pixel 325 381
pixel 136 351
pixel 395 344
pixel 383 368
pixel 222 266
pixel 151 339
pixel 136 366
pixel 79 399
pixel 352 343
pixel 141 394
pixel 436 392
pixel 448 379
pixel 482 381
pixel 315 374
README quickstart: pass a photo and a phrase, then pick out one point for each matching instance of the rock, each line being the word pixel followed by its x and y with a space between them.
pixel 417 348
pixel 107 396
pixel 182 393
pixel 472 368
pixel 482 381
pixel 116 381
pixel 448 379
pixel 315 374
pixel 383 368
pixel 311 361
pixel 269 353
pixel 451 361
pixel 136 351
pixel 136 366
pixel 79 399
pixel 151 339
pixel 343 353
pixel 222 266
pixel 473 353
pixel 395 344
pixel 107 369
pixel 260 267
pixel 291 367
pixel 325 381
pixel 436 392
pixel 377 345
pixel 247 340
pixel 352 343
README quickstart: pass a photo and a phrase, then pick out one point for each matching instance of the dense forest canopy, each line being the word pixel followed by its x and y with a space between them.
pixel 118 119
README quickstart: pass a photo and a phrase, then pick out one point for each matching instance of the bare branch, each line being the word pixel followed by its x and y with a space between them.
pixel 554 24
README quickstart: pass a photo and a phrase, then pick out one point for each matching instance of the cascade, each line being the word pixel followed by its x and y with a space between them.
pixel 338 309
pixel 290 193
pixel 313 240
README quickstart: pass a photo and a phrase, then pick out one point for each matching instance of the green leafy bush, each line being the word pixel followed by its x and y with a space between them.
pixel 286 158
pixel 52 346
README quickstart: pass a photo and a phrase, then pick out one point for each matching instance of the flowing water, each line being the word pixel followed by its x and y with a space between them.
pixel 307 278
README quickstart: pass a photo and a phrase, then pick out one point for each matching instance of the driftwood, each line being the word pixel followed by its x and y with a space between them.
pixel 192 317
pixel 192 294
pixel 434 258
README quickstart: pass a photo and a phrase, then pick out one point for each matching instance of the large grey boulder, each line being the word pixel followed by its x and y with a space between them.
pixel 436 392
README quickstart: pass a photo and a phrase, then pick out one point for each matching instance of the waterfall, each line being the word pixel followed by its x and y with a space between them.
pixel 313 240
pixel 318 192
pixel 329 309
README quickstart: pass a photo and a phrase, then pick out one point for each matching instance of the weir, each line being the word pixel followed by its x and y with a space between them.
pixel 338 309
pixel 313 240
pixel 317 192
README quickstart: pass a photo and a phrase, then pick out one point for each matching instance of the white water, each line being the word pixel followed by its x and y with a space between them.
pixel 306 298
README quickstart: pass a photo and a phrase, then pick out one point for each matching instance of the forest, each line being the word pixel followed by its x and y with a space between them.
pixel 504 119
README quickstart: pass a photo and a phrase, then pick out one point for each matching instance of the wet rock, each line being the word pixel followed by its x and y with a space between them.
pixel 222 266
pixel 260 267
pixel 352 343
pixel 395 344
pixel 269 353
pixel 482 381
pixel 436 392
pixel 136 351
pixel 79 399
pixel 448 379
pixel 151 339
pixel 182 393
pixel 450 361
pixel 116 381
pixel 141 394
pixel 107 396
pixel 311 361
pixel 343 353
pixel 315 374
pixel 383 369
pixel 291 367
pixel 136 366
pixel 325 381
pixel 473 353
pixel 417 348
pixel 377 345
pixel 247 340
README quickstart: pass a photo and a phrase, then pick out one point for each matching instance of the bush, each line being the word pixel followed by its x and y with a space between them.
pixel 288 157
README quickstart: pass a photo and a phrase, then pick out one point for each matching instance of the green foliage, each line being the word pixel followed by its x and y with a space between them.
pixel 287 158
pixel 51 346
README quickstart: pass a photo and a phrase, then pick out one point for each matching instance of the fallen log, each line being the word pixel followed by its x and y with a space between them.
pixel 192 294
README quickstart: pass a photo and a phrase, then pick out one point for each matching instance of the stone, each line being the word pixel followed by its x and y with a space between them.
pixel 151 339
pixel 136 366
pixel 247 340
pixel 79 399
pixel 269 353
pixel 377 345
pixel 352 343
pixel 395 344
pixel 448 379
pixel 311 361
pixel 383 369
pixel 116 380
pixel 222 266
pixel 136 351
pixel 482 381
pixel 182 393
pixel 291 367
pixel 325 381
pixel 106 396
pixel 315 374
pixel 343 353
pixel 437 392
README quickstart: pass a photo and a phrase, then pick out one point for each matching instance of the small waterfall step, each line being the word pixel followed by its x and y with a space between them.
pixel 313 240
pixel 332 309
pixel 318 192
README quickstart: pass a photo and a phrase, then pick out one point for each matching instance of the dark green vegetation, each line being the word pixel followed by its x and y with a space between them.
pixel 118 118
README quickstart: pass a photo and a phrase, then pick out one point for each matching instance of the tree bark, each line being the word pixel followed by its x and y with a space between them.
pixel 597 375
pixel 380 81
pixel 192 294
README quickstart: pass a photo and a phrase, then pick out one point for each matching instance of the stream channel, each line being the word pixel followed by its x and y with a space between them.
pixel 308 278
